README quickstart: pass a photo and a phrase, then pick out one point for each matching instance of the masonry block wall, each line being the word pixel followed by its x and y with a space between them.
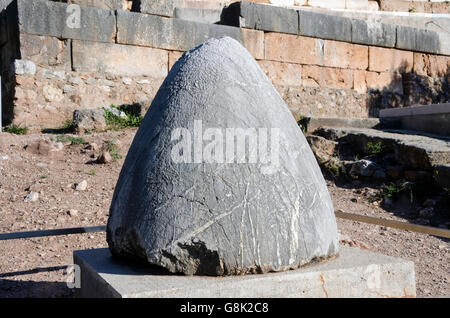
pixel 322 65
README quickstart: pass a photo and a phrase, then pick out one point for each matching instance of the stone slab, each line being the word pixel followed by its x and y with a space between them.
pixel 355 273
pixel 157 7
pixel 261 17
pixel 325 26
pixel 433 22
pixel 51 18
pixel 416 110
pixel 179 35
pixel 412 149
pixel 315 122
pixel 434 119
pixel 419 40
pixel 373 33
pixel 198 15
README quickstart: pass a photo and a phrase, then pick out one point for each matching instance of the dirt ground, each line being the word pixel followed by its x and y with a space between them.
pixel 36 267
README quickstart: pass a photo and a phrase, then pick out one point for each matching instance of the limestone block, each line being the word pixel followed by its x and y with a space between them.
pixel 119 59
pixel 285 74
pixel 389 60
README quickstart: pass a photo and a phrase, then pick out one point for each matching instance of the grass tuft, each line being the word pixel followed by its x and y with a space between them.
pixel 73 140
pixel 115 122
pixel 113 149
pixel 16 129
pixel 375 148
pixel 392 190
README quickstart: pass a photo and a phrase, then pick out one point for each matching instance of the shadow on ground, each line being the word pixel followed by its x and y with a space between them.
pixel 18 288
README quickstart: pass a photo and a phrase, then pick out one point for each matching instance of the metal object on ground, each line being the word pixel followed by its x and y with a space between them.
pixel 343 215
pixel 74 230
pixel 394 224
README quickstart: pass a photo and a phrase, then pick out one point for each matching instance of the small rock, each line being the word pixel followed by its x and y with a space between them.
pixel 363 167
pixel 92 146
pixel 323 148
pixel 35 187
pixel 31 197
pixel 89 119
pixel 60 74
pixel 116 112
pixel 109 83
pixel 44 147
pixel 81 186
pixel 126 80
pixel 52 93
pixel 91 81
pixel 23 67
pixel 143 81
pixel 105 88
pixel 58 146
pixel 72 212
pixel 6 157
pixel 68 89
pixel 104 157
pixel 75 80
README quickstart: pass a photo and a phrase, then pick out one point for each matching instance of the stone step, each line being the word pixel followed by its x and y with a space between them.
pixel 312 123
pixel 433 119
pixel 410 149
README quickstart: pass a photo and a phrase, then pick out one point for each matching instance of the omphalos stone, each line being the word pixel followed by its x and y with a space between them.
pixel 219 179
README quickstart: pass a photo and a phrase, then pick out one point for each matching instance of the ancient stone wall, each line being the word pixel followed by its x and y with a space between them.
pixel 321 64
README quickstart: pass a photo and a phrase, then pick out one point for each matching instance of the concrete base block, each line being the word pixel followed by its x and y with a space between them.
pixel 355 273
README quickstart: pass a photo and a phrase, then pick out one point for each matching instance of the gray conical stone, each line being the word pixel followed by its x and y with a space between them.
pixel 220 218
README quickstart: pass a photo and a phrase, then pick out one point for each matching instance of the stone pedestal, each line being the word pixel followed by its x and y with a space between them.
pixel 355 273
